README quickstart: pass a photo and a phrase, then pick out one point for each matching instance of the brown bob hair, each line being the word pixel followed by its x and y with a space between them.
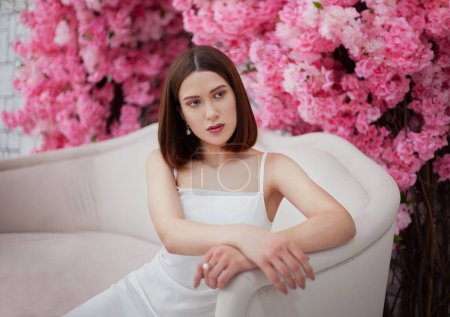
pixel 176 147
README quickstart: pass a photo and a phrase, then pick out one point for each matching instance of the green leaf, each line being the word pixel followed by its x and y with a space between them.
pixel 318 5
pixel 87 36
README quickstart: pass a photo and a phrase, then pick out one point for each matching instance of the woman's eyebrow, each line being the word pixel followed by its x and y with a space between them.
pixel 212 90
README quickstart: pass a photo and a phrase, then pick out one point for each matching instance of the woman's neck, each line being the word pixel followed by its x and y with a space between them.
pixel 215 157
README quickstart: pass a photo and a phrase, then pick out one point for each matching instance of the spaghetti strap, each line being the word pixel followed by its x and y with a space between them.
pixel 175 177
pixel 261 173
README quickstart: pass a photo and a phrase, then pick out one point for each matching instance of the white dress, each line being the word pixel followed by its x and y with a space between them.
pixel 164 286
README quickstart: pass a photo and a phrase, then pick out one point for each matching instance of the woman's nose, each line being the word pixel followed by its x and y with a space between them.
pixel 211 111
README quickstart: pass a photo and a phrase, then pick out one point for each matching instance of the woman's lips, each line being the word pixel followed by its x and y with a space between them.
pixel 216 129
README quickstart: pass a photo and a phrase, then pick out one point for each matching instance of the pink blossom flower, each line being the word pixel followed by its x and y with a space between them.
pixel 442 167
pixel 365 117
pixel 366 67
pixel 438 21
pixel 340 24
pixel 403 218
pixel 404 178
pixel 137 91
pixel 182 5
pixel 129 122
pixel 63 34
pixel 91 57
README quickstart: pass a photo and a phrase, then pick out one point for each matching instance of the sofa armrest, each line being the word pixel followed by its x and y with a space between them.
pixel 352 288
pixel 371 196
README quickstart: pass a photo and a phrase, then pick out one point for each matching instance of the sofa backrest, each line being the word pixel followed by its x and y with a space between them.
pixel 102 186
pixel 99 186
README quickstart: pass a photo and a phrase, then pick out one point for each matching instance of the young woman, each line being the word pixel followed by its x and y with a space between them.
pixel 212 199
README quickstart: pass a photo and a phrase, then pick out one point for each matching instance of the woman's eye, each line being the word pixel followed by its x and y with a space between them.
pixel 194 103
pixel 219 94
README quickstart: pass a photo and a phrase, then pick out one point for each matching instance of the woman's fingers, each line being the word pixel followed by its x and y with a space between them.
pixel 220 277
pixel 285 271
pixel 214 273
pixel 198 275
pixel 273 276
pixel 298 254
pixel 308 269
pixel 285 265
pixel 292 264
pixel 295 269
pixel 224 277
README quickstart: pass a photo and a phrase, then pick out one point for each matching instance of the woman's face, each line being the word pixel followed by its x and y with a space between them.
pixel 206 101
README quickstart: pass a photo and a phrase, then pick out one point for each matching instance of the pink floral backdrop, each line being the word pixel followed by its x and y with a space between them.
pixel 375 72
pixel 93 69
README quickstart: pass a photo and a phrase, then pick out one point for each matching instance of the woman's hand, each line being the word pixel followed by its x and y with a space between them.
pixel 224 263
pixel 276 255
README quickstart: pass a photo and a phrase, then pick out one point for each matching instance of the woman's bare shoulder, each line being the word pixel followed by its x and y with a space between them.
pixel 279 166
pixel 156 160
pixel 272 158
pixel 271 153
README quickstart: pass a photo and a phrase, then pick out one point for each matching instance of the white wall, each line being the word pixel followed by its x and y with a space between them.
pixel 12 143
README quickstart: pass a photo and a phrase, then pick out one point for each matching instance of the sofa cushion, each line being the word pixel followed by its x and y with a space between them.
pixel 47 274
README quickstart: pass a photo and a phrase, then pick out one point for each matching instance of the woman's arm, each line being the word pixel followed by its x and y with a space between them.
pixel 328 225
pixel 179 235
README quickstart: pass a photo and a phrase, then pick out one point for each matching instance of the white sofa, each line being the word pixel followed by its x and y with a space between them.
pixel 74 221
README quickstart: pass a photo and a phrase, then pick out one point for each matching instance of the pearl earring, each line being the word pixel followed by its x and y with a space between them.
pixel 188 131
